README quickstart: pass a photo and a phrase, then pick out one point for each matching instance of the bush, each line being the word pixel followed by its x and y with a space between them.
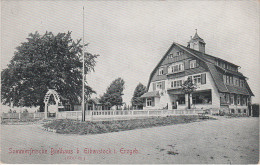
pixel 65 126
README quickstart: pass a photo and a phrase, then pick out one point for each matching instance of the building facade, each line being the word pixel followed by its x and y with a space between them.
pixel 219 83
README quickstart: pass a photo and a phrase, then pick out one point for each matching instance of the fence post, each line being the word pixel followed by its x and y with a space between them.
pixel 148 113
pixel 34 115
pixel 19 115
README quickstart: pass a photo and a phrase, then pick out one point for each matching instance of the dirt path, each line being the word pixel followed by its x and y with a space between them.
pixel 225 140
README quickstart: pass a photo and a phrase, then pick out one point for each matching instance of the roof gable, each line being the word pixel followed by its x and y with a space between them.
pixel 165 55
pixel 213 68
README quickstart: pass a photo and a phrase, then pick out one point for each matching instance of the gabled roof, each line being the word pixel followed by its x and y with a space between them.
pixel 151 94
pixel 213 68
pixel 217 77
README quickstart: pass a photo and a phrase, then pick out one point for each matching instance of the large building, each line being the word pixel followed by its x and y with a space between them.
pixel 219 83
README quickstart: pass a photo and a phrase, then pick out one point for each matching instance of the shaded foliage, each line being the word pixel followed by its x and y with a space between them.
pixel 137 101
pixel 188 87
pixel 65 126
pixel 44 62
pixel 113 95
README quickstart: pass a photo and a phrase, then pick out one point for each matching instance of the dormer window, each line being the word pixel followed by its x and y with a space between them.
pixel 193 63
pixel 161 71
pixel 177 67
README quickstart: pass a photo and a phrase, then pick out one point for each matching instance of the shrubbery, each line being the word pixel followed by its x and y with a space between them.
pixel 65 126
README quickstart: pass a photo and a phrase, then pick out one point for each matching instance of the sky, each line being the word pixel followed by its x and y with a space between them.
pixel 132 36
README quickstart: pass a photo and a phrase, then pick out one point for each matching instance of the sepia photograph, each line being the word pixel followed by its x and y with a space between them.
pixel 130 82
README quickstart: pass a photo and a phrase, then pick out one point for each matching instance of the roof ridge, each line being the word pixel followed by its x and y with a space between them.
pixel 209 55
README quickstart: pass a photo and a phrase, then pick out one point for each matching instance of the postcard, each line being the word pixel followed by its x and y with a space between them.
pixel 130 82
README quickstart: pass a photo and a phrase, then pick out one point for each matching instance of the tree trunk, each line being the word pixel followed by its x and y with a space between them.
pixel 188 100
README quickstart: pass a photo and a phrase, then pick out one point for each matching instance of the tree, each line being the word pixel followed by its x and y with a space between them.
pixel 46 62
pixel 113 95
pixel 188 87
pixel 137 101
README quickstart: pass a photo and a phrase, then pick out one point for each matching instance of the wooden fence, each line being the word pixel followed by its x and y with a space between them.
pixel 106 114
pixel 23 116
pixel 127 113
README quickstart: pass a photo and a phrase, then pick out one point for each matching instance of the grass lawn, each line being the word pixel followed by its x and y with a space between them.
pixel 66 126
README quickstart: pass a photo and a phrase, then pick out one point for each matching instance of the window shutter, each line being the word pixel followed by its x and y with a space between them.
pixel 144 102
pixel 154 86
pixel 187 64
pixel 197 63
pixel 153 102
pixel 165 70
pixel 163 84
pixel 203 78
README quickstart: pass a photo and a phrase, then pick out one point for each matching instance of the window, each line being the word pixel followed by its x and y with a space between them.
pixel 242 83
pixel 193 63
pixel 149 102
pixel 180 53
pixel 244 110
pixel 232 111
pixel 224 79
pixel 197 79
pixel 176 84
pixel 243 100
pixel 160 71
pixel 170 55
pixel 228 79
pixel 202 98
pixel 225 65
pixel 236 81
pixel 176 68
pixel 232 98
pixel 159 85
pixel 238 99
pixel 227 98
pixel 239 110
pixel 231 80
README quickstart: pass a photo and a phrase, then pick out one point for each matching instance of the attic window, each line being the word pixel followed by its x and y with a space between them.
pixel 170 56
pixel 160 71
pixel 180 53
pixel 193 63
